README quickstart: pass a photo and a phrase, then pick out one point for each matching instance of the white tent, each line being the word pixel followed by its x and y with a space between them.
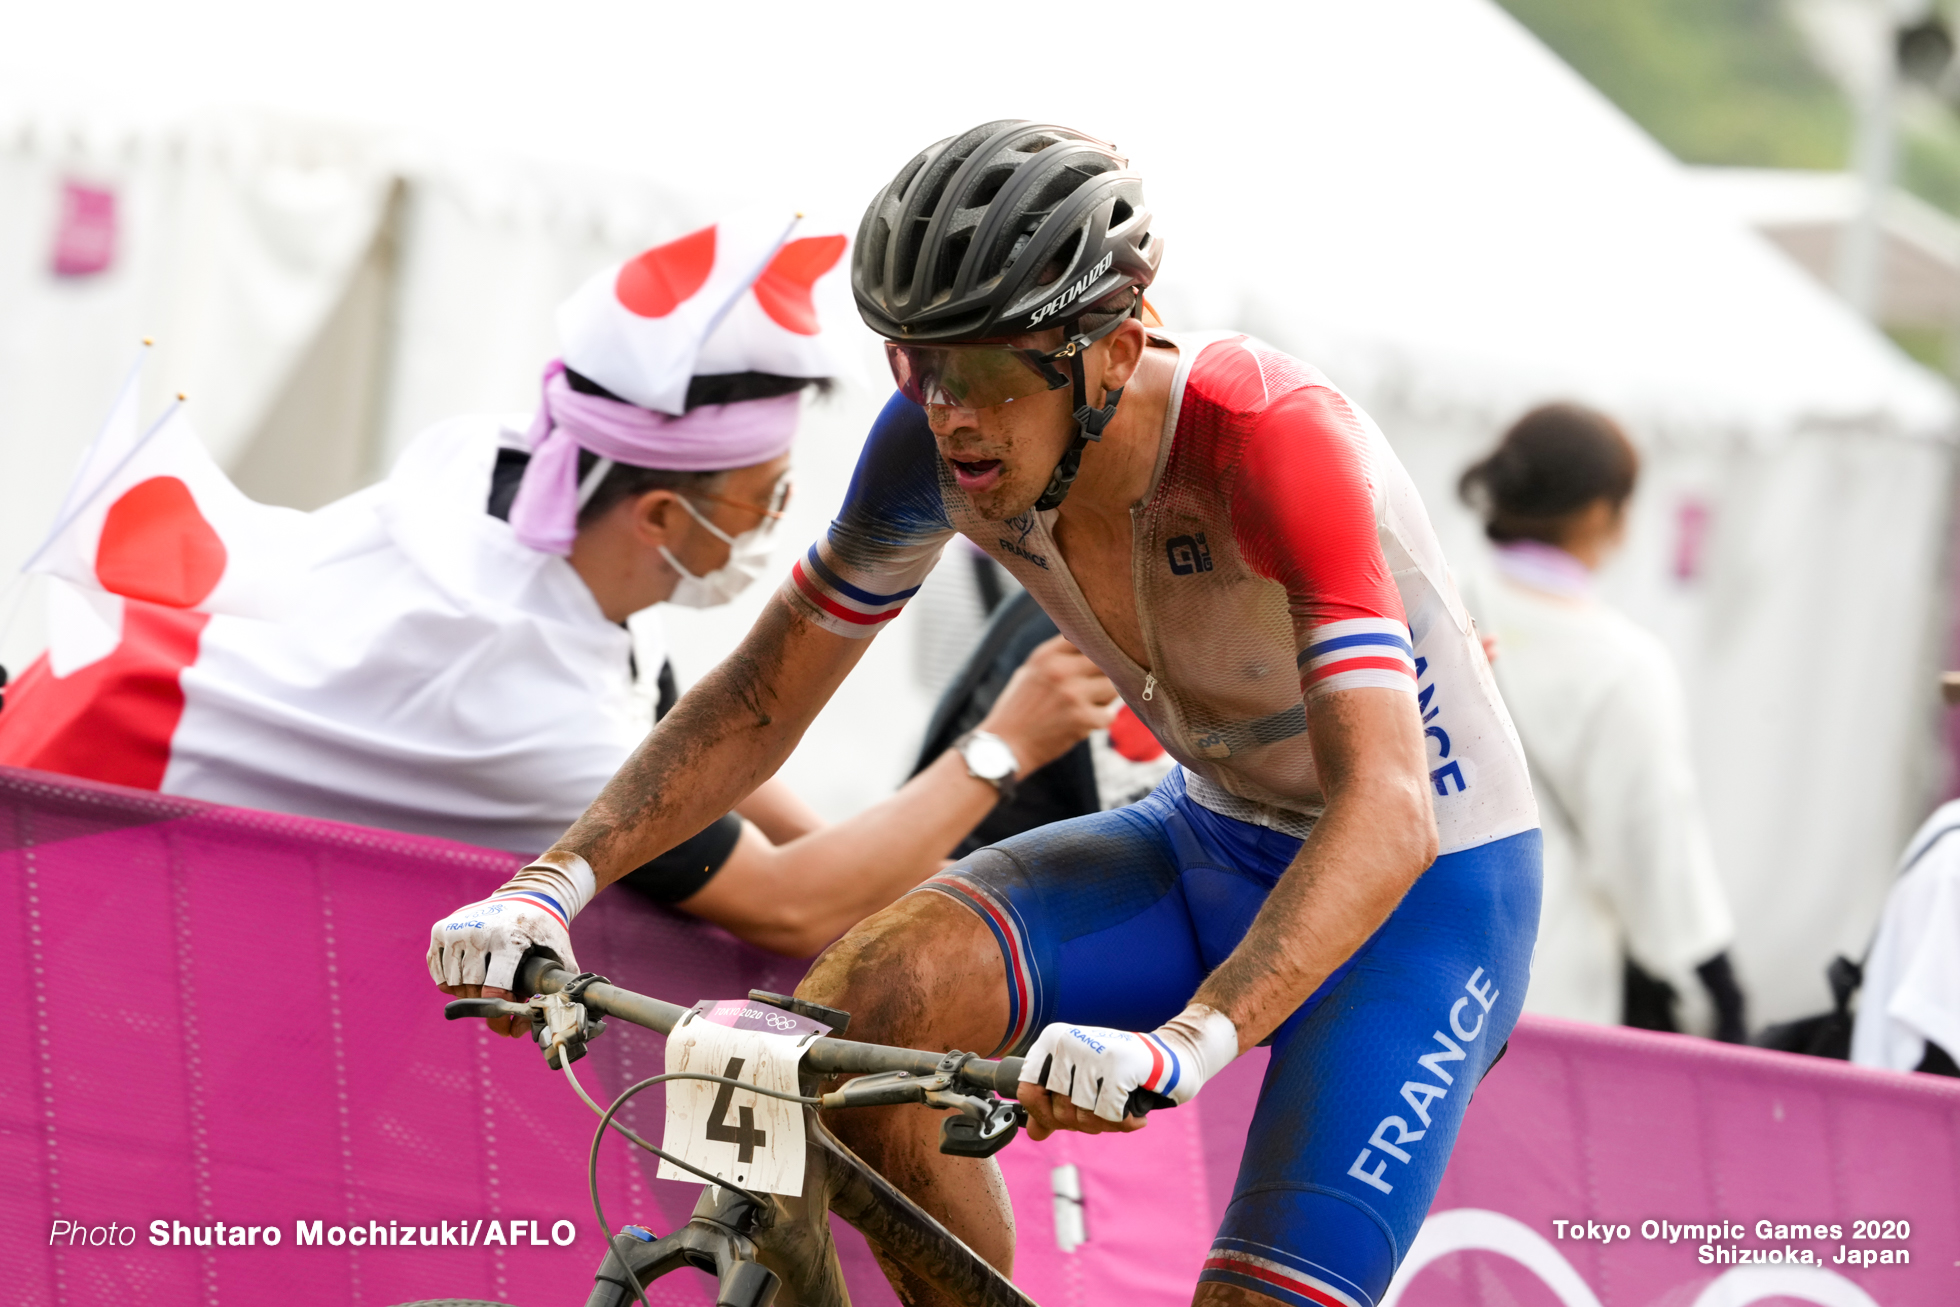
pixel 1412 193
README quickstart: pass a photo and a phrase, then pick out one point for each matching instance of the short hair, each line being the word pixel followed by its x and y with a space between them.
pixel 1553 462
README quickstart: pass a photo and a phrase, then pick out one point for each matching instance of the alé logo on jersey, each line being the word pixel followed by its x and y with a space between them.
pixel 1075 289
pixel 1188 554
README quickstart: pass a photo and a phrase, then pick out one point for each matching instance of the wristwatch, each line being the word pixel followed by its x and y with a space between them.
pixel 991 759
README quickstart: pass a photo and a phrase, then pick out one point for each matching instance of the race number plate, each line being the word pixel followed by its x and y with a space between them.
pixel 750 1139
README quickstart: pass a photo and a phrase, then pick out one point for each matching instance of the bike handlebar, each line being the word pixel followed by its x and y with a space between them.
pixel 825 1055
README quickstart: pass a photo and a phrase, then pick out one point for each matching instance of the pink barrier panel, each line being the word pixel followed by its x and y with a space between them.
pixel 223 1018
pixel 1580 1129
pixel 154 1073
pixel 1596 1127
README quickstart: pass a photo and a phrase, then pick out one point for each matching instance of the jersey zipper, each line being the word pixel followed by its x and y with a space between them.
pixel 1149 686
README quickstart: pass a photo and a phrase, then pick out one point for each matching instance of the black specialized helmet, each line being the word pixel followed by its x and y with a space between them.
pixel 1010 227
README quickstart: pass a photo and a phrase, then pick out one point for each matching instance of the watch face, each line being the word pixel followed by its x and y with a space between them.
pixel 990 758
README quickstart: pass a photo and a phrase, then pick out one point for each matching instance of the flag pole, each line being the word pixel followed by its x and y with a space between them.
pixel 121 463
pixel 749 281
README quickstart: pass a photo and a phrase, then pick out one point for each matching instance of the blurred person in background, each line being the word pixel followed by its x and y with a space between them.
pixel 1634 913
pixel 1909 1011
pixel 459 665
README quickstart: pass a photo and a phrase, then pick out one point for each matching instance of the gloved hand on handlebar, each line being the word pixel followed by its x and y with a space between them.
pixel 481 944
pixel 1095 1069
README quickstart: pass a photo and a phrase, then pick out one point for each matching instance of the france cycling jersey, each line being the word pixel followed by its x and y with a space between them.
pixel 1281 553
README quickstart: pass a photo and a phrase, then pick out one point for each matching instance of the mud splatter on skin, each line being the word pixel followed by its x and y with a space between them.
pixel 1376 836
pixel 1228 1295
pixel 923 973
pixel 668 788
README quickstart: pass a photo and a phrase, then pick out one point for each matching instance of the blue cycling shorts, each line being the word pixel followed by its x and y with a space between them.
pixel 1115 919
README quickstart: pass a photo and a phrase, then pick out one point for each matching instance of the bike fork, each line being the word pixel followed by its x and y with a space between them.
pixel 715 1240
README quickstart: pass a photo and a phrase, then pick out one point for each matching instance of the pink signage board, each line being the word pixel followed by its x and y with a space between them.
pixel 1597 1168
pixel 225 1028
pixel 85 231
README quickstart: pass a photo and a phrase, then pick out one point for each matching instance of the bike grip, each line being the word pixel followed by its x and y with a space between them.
pixel 1007 1078
pixel 457 1009
pixel 1144 1101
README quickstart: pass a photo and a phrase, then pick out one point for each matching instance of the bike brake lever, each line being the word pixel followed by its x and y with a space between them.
pixel 884 1089
pixel 456 1009
pixel 1143 1102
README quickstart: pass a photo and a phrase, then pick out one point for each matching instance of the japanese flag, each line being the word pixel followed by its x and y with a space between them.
pixel 150 516
pixel 758 292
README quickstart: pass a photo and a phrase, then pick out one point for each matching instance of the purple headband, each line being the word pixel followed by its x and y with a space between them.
pixel 712 438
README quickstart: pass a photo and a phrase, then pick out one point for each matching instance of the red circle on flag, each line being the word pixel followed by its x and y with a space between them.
pixel 657 282
pixel 784 286
pixel 155 545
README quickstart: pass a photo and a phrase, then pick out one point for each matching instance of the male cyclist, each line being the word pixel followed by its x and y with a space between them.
pixel 1245 558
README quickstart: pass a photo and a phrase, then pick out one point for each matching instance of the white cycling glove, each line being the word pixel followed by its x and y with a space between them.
pixel 1096 1068
pixel 482 943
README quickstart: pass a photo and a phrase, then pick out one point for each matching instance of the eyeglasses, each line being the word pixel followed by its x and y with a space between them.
pixel 983 375
pixel 778 500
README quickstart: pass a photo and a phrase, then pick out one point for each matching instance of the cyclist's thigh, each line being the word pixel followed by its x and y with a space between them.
pixel 921 973
pixel 1364 1096
pixel 1090 917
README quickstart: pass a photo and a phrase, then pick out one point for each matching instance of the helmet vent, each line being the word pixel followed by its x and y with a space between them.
pixel 983 194
pixel 1121 214
pixel 952 252
pixel 910 241
pixel 1058 266
pixel 1055 188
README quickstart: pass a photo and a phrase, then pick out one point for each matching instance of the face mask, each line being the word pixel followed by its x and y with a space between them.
pixel 748 556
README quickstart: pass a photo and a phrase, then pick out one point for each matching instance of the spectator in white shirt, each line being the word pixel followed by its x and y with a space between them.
pixel 1635 919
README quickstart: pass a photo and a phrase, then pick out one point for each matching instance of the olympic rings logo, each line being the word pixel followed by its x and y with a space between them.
pixel 1466 1229
pixel 778 1021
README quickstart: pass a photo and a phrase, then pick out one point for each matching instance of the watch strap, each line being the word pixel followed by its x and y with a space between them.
pixel 1005 786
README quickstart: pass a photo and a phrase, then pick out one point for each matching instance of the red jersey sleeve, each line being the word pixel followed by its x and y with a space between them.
pixel 1303 512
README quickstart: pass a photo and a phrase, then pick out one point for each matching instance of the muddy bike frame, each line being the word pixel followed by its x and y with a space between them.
pixel 780 1253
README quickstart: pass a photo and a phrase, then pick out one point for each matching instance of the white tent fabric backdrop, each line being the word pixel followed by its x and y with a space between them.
pixel 1414 195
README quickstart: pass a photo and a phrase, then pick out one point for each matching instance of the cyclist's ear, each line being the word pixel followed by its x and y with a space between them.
pixel 1122 350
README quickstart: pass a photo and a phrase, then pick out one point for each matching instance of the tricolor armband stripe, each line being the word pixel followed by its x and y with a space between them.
pixel 1275 1279
pixel 1361 651
pixel 1165 1069
pixel 842 600
pixel 540 899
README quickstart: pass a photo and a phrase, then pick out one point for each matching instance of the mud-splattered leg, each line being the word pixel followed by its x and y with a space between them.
pixel 923 973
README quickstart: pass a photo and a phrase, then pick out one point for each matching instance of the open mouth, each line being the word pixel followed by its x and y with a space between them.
pixel 976 474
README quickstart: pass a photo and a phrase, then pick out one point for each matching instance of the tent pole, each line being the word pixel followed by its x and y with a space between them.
pixel 1860 253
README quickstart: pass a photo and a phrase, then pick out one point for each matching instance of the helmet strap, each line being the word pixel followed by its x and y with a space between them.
pixel 1089 425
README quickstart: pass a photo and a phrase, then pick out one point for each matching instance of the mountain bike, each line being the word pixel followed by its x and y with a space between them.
pixel 770 1250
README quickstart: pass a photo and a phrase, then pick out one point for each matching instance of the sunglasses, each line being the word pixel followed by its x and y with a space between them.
pixel 983 375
